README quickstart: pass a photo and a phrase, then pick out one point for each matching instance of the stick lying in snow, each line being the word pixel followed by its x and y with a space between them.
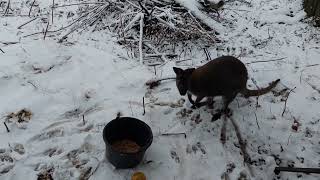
pixel 52 9
pixel 27 23
pixel 31 7
pixel 45 33
pixel 267 60
pixel 77 4
pixel 285 102
pixel 7 9
pixel 156 82
pixel 144 108
pixel 141 38
pixel 246 156
pixel 6 127
pixel 223 130
pixel 292 169
pixel 193 9
pixel 174 134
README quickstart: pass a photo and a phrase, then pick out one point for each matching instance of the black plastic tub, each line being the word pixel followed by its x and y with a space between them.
pixel 126 128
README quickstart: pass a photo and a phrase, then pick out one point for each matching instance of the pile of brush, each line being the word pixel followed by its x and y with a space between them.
pixel 153 30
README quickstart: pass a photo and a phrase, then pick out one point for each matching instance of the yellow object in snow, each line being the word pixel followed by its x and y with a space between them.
pixel 138 176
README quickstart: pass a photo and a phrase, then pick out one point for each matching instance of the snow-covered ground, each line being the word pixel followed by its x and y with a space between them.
pixel 94 76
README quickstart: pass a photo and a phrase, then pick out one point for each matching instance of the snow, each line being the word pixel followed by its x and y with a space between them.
pixel 93 64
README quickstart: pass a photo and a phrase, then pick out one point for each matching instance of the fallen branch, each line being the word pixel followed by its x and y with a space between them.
pixel 27 23
pixel 257 120
pixel 35 87
pixel 52 8
pixel 62 28
pixel 210 23
pixel 144 108
pixel 84 122
pixel 9 43
pixel 7 8
pixel 141 38
pixel 84 24
pixel 242 144
pixel 267 60
pixel 285 102
pixel 223 136
pixel 76 4
pixel 207 54
pixel 2 50
pixel 31 7
pixel 157 52
pixel 277 170
pixel 156 82
pixel 6 127
pixel 45 32
pixel 131 23
pixel 144 9
pixel 174 134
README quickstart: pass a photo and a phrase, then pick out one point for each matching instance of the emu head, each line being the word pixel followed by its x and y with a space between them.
pixel 182 79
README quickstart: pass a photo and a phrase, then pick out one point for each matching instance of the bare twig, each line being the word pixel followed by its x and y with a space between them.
pixel 174 134
pixel 223 136
pixel 76 4
pixel 267 60
pixel 157 52
pixel 156 82
pixel 85 23
pixel 311 65
pixel 62 28
pixel 27 22
pixel 5 124
pixel 207 54
pixel 295 169
pixel 242 144
pixel 7 8
pixel 52 8
pixel 141 38
pixel 45 32
pixel 35 87
pixel 31 7
pixel 256 120
pixel 84 122
pixel 9 42
pixel 2 50
pixel 144 8
pixel 144 108
pixel 285 102
pixel 132 22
